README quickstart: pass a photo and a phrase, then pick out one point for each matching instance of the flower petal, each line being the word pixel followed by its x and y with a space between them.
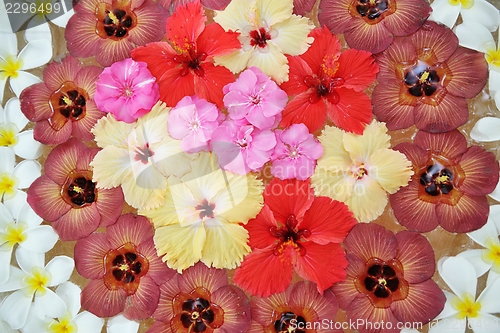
pixel 273 63
pixel 292 36
pixel 474 36
pixel 120 324
pixel 357 68
pixel 449 114
pixel 144 301
pixel 35 54
pixel 482 12
pixel 44 197
pixel 27 147
pixel 390 169
pixel 236 308
pixel 483 322
pixel 459 275
pixel 469 73
pixel 489 298
pixel 368 200
pixel 352 112
pixel 87 322
pixel 101 301
pixel 362 308
pixel 14 309
pixel 40 239
pixel 60 269
pixel 486 129
pixel 469 214
pixel 389 108
pixel 444 12
pixel 129 229
pixel 77 223
pixel 334 14
pixel 89 255
pixel 110 205
pixel 22 81
pixel 416 255
pixel 50 304
pixel 301 110
pixel 62 160
pixel 373 38
pixel 367 241
pixel 475 258
pixel 450 144
pixel 481 171
pixel 27 171
pixel 408 17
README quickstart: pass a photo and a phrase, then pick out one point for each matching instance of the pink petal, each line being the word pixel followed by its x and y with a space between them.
pixel 367 241
pixel 416 255
pixel 200 275
pixel 89 255
pixel 144 301
pixel 77 223
pixel 158 271
pixel 62 160
pixel 236 308
pixel 44 197
pixel 101 301
pixel 481 171
pixel 469 214
pixel 45 134
pixel 346 290
pixel 110 205
pixel 129 229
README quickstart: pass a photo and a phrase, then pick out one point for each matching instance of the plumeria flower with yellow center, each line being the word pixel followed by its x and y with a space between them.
pixel 15 177
pixel 462 309
pixel 479 11
pixel 71 321
pixel 138 157
pixel 120 324
pixel 13 66
pixel 31 285
pixel 25 231
pixel 202 215
pixel 12 123
pixel 268 31
pixel 360 170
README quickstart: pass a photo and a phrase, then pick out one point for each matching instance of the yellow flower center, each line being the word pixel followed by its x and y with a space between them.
pixel 465 3
pixel 491 254
pixel 36 282
pixel 358 170
pixel 63 325
pixel 466 306
pixel 10 67
pixel 493 57
pixel 8 185
pixel 8 134
pixel 13 234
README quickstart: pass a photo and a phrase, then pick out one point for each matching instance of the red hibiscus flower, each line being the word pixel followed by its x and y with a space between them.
pixel 184 65
pixel 63 104
pixel 389 279
pixel 372 24
pixel 297 230
pixel 424 80
pixel 124 269
pixel 67 197
pixel 327 82
pixel 449 185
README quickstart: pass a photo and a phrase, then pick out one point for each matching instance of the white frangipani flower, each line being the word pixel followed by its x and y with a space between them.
pixel 31 285
pixel 120 324
pixel 462 309
pixel 71 321
pixel 15 177
pixel 480 11
pixel 12 123
pixel 25 231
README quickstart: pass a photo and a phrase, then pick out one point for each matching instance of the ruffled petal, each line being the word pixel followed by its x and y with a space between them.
pixel 106 174
pixel 273 63
pixel 357 68
pixel 390 169
pixel 469 73
pixel 301 110
pixel 469 214
pixel 416 255
pixel 367 241
pixel 368 199
pixel 292 36
pixel 450 144
pixel 373 38
pixel 374 137
pixel 481 171
pixel 101 301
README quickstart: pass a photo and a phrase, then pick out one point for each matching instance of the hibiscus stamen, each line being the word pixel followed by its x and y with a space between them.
pixel 372 9
pixel 79 190
pixel 259 37
pixel 206 209
pixel 437 180
pixel 143 154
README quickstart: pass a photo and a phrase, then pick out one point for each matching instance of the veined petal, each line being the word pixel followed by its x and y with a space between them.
pixel 335 15
pixel 486 129
pixel 44 196
pixel 144 301
pixel 482 12
pixel 214 41
pixel 367 241
pixel 393 59
pixel 185 25
pixel 392 107
pixel 437 37
pixel 99 300
pixel 408 17
pixel 89 255
pixel 273 63
pixel 110 205
pixel 450 144
pixel 459 275
pixel 481 171
pixel 368 200
pixel 391 169
pixel 35 54
pixel 346 291
pixel 361 307
pixel 77 223
pixel 357 68
pixel 62 160
pixel 236 308
pixel 373 38
pixel 198 276
pixel 449 114
pixel 444 12
pixel 416 255
pixel 106 174
pixel 273 11
pixel 129 229
pixel 469 214
pixel 467 80
pixel 292 36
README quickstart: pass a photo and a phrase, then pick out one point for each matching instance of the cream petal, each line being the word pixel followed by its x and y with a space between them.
pixel 486 129
pixel 50 304
pixel 236 15
pixel 90 323
pixel 35 54
pixel 292 35
pixel 482 12
pixel 474 36
pixel 374 137
pixel 235 61
pixel 444 12
pixel 111 166
pixel 60 268
pixel 120 324
pixel 13 113
pixel 272 63
pixel 368 200
pixel 15 308
pixel 22 81
pixel 475 258
pixel 27 147
pixel 27 171
pixel 391 169
pixel 460 276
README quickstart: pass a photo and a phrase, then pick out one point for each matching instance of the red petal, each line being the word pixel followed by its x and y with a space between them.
pixel 367 241
pixel 89 255
pixel 143 303
pixel 416 255
pixel 469 73
pixel 408 17
pixel 423 303
pixel 173 86
pixel 258 229
pixel 44 197
pixel 288 197
pixel 328 221
pixel 357 68
pixel 209 86
pixel 451 113
pixel 395 58
pixel 185 25
pixel 35 102
pixel 159 57
pixel 301 110
pixel 129 229
pixel 324 44
pixel 451 144
pixel 101 301
pixel 346 291
pixel 157 270
pixel 417 156
pixel 469 214
pixel 168 291
pixel 363 312
pixel 299 69
pixel 62 160
pixel 81 38
pixel 301 7
pixel 81 128
pixel 305 295
pixel 334 14
pixel 214 41
pixel 410 211
pixel 236 308
pixel 391 106
pixel 373 38
pixel 322 264
pixel 45 134
pixel 77 223
pixel 481 171
pixel 435 37
pixel 352 112
pixel 200 275
pixel 263 273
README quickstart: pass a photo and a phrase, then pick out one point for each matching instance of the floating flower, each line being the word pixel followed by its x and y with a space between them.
pixel 25 231
pixel 201 300
pixel 127 90
pixel 123 268
pixel 120 324
pixel 241 147
pixel 424 79
pixel 371 25
pixel 461 305
pixel 184 66
pixel 12 123
pixel 13 66
pixel 67 196
pixel 63 104
pixel 202 215
pixel 325 82
pixel 295 231
pixel 31 284
pixel 449 184
pixel 477 11
pixel 14 178
pixel 296 153
pixel 389 279
pixel 110 29
pixel 360 169
pixel 268 31
pixel 71 321
pixel 297 309
pixel 138 157
pixel 256 98
pixel 193 120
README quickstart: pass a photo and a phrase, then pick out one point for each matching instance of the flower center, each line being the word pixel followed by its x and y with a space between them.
pixel 67 103
pixel 465 3
pixel 324 87
pixel 143 154
pixel 259 37
pixel 13 234
pixel 63 325
pixel 493 57
pixel 437 180
pixel 114 21
pixel 491 254
pixel 197 314
pixel 422 79
pixel 190 60
pixel 358 171
pixel 124 268
pixel 206 209
pixel 8 185
pixel 372 10
pixel 466 306
pixel 36 282
pixel 288 235
pixel 79 190
pixel 10 67
pixel 284 325
pixel 8 134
